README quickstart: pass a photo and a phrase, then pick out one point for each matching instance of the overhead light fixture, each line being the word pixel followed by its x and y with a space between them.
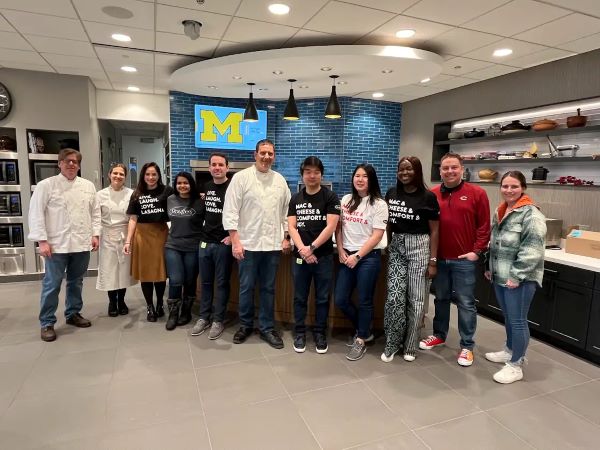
pixel 121 37
pixel 377 94
pixel 326 68
pixel 133 88
pixel 130 69
pixel 291 109
pixel 405 33
pixel 250 114
pixel 386 71
pixel 333 110
pixel 499 53
pixel 279 9
pixel 425 80
pixel 278 72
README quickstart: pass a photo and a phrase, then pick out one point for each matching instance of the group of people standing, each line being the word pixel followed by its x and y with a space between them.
pixel 253 218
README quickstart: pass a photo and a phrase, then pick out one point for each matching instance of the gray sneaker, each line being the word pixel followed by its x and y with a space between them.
pixel 216 330
pixel 200 327
pixel 357 351
pixel 351 339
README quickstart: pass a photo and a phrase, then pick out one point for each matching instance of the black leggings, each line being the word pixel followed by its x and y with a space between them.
pixel 117 294
pixel 149 286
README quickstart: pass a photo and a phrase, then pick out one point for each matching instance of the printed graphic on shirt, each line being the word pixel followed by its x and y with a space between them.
pixel 150 205
pixel 399 210
pixel 182 211
pixel 355 216
pixel 214 202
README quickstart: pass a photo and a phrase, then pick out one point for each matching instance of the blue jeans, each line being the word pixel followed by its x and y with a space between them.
pixel 455 277
pixel 322 274
pixel 75 264
pixel 363 277
pixel 182 270
pixel 258 267
pixel 215 272
pixel 515 305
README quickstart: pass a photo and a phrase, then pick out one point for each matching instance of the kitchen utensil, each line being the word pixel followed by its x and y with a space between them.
pixel 474 133
pixel 576 121
pixel 540 174
pixel 515 126
pixel 7 143
pixel 455 135
pixel 487 175
pixel 544 125
pixel 557 150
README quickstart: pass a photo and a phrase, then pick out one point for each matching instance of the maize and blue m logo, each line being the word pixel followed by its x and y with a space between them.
pixel 224 128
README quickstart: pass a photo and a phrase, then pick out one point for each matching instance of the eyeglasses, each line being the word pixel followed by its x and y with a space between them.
pixel 70 162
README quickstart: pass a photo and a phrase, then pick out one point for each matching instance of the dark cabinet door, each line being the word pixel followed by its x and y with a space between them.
pixel 570 312
pixel 593 337
pixel 541 306
pixel 483 287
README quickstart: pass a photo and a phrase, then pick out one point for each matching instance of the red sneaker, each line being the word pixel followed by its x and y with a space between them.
pixel 431 341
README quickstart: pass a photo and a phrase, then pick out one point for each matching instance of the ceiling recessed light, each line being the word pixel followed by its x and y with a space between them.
pixel 236 77
pixel 117 12
pixel 405 33
pixel 387 71
pixel 326 68
pixel 212 87
pixel 303 86
pixel 377 94
pixel 502 52
pixel 133 88
pixel 128 69
pixel 279 9
pixel 341 83
pixel 278 72
pixel 425 80
pixel 121 37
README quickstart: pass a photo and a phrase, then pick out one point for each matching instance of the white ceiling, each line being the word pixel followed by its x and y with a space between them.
pixel 74 36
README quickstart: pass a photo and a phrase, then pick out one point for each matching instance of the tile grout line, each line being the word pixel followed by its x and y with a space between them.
pixel 573 411
pixel 110 382
pixel 561 364
pixel 198 391
pixel 509 430
pixel 293 403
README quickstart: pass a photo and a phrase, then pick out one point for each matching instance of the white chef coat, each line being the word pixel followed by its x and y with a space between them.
pixel 256 205
pixel 65 214
pixel 114 266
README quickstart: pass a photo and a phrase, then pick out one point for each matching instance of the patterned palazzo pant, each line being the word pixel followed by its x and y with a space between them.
pixel 407 287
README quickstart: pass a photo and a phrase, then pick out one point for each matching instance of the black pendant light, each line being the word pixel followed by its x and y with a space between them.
pixel 333 110
pixel 291 110
pixel 250 114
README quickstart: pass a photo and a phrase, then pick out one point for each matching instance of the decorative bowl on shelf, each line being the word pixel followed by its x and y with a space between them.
pixel 576 121
pixel 474 133
pixel 515 127
pixel 544 125
pixel 487 175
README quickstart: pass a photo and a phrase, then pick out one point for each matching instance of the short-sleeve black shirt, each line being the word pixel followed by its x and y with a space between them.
pixel 214 199
pixel 151 207
pixel 411 212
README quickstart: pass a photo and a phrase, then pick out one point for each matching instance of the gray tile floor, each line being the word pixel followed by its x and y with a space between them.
pixel 129 384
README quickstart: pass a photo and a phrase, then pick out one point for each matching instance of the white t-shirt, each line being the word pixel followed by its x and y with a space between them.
pixel 357 226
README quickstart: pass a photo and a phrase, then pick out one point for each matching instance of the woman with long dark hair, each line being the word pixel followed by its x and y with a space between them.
pixel 113 264
pixel 185 211
pixel 146 236
pixel 359 242
pixel 414 228
pixel 516 268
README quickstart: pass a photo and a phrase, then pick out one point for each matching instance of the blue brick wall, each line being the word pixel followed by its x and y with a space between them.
pixel 368 132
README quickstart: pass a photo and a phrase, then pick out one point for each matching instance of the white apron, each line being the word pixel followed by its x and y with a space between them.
pixel 113 264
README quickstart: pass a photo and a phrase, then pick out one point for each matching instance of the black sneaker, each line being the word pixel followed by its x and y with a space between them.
pixel 241 335
pixel 300 343
pixel 272 338
pixel 321 343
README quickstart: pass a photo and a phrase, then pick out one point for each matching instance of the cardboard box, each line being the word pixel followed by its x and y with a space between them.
pixel 584 243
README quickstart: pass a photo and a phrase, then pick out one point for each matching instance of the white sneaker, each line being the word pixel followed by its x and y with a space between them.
pixel 509 374
pixel 499 357
pixel 386 358
pixel 409 358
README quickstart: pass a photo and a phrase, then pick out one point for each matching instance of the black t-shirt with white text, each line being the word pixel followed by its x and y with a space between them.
pixel 411 212
pixel 214 199
pixel 151 207
pixel 311 216
pixel 186 223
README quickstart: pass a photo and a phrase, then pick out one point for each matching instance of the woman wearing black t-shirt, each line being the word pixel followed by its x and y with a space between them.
pixel 413 224
pixel 146 236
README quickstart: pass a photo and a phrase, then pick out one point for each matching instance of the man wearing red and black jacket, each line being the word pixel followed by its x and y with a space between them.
pixel 464 236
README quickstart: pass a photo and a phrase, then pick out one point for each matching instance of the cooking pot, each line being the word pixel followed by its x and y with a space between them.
pixel 515 125
pixel 576 121
pixel 7 143
pixel 544 125
pixel 474 133
pixel 539 174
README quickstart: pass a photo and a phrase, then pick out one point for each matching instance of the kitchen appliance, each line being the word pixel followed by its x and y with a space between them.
pixel 558 150
pixel 540 174
pixel 474 133
pixel 9 173
pixel 202 174
pixel 553 232
pixel 576 121
pixel 11 235
pixel 10 204
pixel 12 261
pixel 40 170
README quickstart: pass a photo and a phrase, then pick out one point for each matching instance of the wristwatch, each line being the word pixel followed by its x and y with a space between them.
pixel 434 259
pixel 312 247
pixel 357 256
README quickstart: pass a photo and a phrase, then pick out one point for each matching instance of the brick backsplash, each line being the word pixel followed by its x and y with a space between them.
pixel 368 132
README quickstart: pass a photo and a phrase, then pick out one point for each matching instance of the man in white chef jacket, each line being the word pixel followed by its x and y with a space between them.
pixel 255 215
pixel 64 219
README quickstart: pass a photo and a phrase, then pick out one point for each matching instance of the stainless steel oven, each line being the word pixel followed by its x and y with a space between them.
pixel 40 170
pixel 202 174
pixel 9 172
pixel 11 235
pixel 12 261
pixel 10 204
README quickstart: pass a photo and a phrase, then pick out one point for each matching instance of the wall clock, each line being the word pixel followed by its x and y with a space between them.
pixel 5 102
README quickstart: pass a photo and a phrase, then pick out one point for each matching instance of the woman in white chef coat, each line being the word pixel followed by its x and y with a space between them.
pixel 114 264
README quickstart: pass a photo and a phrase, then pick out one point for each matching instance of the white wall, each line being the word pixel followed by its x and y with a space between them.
pixel 132 106
pixel 145 153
